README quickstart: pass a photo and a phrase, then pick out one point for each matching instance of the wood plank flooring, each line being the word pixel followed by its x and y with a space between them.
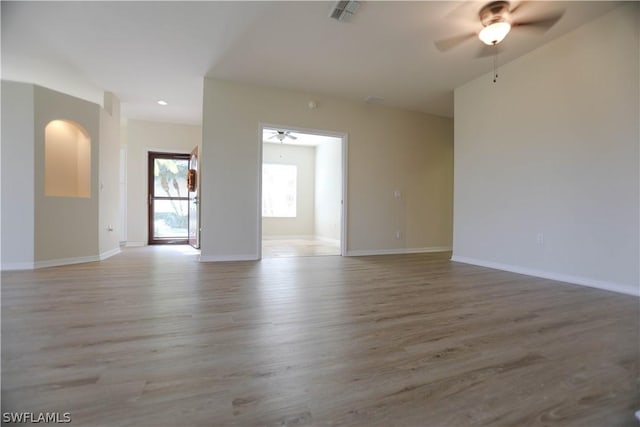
pixel 152 337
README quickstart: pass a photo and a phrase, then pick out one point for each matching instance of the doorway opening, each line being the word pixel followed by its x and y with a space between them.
pixel 168 198
pixel 302 192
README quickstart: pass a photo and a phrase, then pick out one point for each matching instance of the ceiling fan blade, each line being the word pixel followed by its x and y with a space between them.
pixel 523 4
pixel 447 44
pixel 543 23
pixel 273 136
pixel 487 50
pixel 291 136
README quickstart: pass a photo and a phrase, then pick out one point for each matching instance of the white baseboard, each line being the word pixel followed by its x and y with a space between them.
pixel 135 244
pixel 227 258
pixel 60 261
pixel 17 266
pixel 66 261
pixel 397 251
pixel 110 253
pixel 576 280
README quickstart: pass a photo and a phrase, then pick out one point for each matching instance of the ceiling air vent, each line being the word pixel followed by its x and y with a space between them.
pixel 344 10
pixel 374 100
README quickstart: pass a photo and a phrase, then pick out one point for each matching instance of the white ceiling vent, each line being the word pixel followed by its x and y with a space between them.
pixel 374 100
pixel 344 10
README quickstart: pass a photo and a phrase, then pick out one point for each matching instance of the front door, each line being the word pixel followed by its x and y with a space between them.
pixel 194 209
pixel 168 198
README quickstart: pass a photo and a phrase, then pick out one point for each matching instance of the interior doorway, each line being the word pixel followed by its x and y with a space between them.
pixel 302 192
pixel 168 198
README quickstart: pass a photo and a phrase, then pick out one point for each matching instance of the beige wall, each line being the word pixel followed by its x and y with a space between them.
pixel 304 159
pixel 546 160
pixel 109 175
pixel 40 230
pixel 17 170
pixel 142 137
pixel 65 227
pixel 389 150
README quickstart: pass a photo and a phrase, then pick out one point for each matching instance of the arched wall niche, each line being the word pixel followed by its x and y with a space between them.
pixel 67 160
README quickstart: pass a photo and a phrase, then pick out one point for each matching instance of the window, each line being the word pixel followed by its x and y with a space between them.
pixel 279 190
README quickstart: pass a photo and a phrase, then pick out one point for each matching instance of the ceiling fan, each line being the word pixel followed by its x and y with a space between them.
pixel 497 19
pixel 280 135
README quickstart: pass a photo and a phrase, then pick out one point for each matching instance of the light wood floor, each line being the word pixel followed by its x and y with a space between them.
pixel 297 247
pixel 151 337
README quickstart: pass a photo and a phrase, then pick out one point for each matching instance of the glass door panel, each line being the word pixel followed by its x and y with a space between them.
pixel 168 198
pixel 170 219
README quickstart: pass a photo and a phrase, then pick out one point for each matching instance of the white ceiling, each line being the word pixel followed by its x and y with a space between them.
pixel 146 51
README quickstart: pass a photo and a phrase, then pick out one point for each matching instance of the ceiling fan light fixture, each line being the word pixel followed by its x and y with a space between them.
pixel 494 33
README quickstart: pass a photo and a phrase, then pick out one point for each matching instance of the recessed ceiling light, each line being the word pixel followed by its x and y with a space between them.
pixel 163 103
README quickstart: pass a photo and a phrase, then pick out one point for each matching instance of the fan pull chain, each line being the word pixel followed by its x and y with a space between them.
pixel 495 64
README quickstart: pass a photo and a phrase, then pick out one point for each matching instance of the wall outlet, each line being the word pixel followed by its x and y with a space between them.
pixel 397 194
pixel 398 234
pixel 540 239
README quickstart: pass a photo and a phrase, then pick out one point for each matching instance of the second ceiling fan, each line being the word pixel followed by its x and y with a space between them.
pixel 280 135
